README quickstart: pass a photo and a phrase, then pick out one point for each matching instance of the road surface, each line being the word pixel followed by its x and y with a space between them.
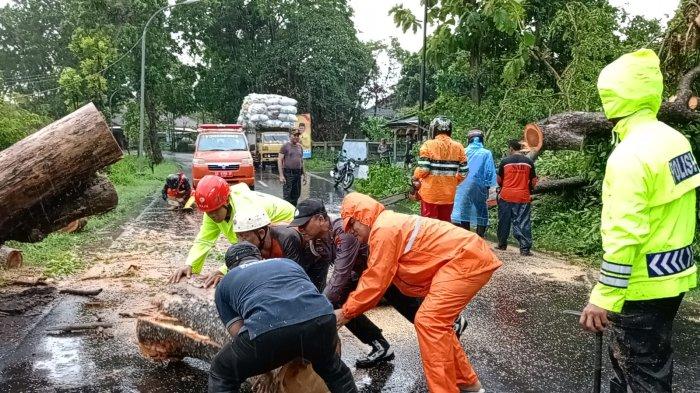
pixel 518 339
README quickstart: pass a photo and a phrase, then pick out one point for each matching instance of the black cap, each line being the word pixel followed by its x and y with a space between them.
pixel 305 210
pixel 239 252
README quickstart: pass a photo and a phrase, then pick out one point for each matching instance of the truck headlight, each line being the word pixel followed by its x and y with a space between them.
pixel 198 161
pixel 247 161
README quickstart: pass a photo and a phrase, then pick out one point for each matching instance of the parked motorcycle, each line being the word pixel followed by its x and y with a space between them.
pixel 343 172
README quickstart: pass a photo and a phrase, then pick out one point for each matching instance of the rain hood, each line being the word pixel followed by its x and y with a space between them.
pixel 631 89
pixel 360 207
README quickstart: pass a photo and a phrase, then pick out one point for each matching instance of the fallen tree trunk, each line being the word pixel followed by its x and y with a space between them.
pixel 186 326
pixel 44 174
pixel 569 183
pixel 568 130
pixel 10 258
pixel 93 195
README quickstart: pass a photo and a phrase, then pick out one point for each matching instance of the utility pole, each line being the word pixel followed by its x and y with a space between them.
pixel 421 102
pixel 143 69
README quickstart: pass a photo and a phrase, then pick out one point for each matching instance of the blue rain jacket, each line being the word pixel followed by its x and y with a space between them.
pixel 472 193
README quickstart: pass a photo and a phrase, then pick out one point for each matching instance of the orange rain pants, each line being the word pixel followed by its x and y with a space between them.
pixel 445 363
pixel 427 258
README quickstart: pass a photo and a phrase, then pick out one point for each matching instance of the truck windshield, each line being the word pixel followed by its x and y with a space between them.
pixel 222 142
pixel 280 138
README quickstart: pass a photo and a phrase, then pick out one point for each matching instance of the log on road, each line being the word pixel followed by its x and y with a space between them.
pixel 554 185
pixel 10 258
pixel 90 196
pixel 187 326
pixel 46 173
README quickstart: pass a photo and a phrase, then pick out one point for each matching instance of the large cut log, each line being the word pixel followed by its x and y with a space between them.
pixel 89 196
pixel 10 258
pixel 45 166
pixel 188 326
pixel 568 130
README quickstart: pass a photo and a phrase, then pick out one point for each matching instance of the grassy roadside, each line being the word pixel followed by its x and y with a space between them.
pixel 58 254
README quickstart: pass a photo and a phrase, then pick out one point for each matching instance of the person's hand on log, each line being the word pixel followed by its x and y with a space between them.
pixel 179 274
pixel 340 319
pixel 213 279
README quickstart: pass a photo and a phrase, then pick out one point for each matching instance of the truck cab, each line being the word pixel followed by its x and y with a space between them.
pixel 222 150
pixel 268 144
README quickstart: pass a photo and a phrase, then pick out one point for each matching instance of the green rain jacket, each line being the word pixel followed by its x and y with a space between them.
pixel 279 211
pixel 648 217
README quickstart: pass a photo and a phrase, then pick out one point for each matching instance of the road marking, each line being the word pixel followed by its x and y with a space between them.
pixel 263 183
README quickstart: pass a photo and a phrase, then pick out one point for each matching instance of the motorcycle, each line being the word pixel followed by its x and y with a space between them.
pixel 344 172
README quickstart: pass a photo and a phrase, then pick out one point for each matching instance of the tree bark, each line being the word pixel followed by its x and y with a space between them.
pixel 10 258
pixel 568 130
pixel 154 145
pixel 568 183
pixel 90 196
pixel 46 165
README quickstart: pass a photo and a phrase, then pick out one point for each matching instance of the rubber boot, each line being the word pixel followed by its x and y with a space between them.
pixel 380 353
pixel 481 231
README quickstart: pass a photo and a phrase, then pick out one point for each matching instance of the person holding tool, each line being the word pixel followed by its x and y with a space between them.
pixel 274 315
pixel 219 202
pixel 423 257
pixel 648 224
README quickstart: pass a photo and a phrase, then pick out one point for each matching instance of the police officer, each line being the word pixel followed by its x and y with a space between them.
pixel 647 226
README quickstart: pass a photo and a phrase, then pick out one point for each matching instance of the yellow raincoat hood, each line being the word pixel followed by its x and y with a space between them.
pixel 631 85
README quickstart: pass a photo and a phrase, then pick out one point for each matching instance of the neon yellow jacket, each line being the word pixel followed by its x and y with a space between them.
pixel 279 211
pixel 648 217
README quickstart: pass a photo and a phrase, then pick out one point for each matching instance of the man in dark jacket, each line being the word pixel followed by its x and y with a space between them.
pixel 275 315
pixel 517 179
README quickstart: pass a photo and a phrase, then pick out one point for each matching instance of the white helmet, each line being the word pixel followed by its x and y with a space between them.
pixel 249 218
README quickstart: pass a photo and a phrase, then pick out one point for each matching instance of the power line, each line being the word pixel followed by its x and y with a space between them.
pixel 93 74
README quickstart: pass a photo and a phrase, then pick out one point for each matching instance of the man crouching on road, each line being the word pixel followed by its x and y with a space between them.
pixel 219 202
pixel 426 257
pixel 275 314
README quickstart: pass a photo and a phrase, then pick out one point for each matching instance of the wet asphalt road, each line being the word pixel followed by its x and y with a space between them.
pixel 518 338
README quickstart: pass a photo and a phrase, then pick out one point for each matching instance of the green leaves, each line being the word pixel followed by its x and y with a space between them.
pixel 404 18
pixel 16 123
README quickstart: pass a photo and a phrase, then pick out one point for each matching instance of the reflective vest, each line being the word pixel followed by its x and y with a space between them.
pixel 442 164
pixel 279 211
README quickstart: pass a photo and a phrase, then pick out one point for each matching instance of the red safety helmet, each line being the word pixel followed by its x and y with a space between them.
pixel 212 192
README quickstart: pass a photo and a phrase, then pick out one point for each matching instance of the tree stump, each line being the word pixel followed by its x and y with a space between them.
pixel 10 258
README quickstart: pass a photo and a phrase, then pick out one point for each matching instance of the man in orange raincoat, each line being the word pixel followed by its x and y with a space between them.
pixel 422 257
pixel 442 164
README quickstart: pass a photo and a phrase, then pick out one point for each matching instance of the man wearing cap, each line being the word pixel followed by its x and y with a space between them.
pixel 275 315
pixel 219 201
pixel 350 259
pixel 290 164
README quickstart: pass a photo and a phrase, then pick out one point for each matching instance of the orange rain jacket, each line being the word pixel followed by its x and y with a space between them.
pixel 408 251
pixel 442 164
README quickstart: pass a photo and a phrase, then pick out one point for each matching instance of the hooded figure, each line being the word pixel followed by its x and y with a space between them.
pixel 470 202
pixel 422 257
pixel 647 227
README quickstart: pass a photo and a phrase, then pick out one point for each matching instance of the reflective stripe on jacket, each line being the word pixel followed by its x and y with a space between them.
pixel 442 164
pixel 648 218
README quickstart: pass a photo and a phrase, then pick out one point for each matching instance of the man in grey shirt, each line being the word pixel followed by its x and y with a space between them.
pixel 275 314
pixel 290 164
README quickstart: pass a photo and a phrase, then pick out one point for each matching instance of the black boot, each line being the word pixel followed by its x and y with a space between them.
pixel 380 353
pixel 481 231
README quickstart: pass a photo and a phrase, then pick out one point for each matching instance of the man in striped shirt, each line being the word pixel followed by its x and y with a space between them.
pixel 442 164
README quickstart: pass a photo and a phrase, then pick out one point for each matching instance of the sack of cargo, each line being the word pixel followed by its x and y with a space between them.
pixel 291 110
pixel 286 101
pixel 258 108
pixel 259 118
pixel 272 124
